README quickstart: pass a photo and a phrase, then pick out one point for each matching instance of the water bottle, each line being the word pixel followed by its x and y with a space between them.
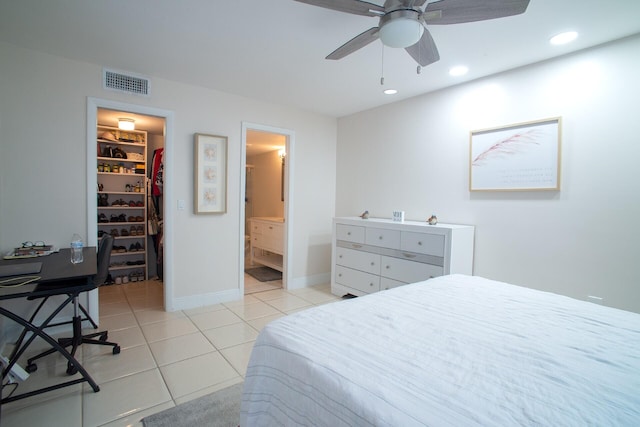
pixel 76 249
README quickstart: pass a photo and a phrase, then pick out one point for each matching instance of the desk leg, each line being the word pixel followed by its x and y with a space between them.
pixel 72 360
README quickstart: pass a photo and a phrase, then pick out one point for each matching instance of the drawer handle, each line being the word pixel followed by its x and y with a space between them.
pixel 388 267
pixel 339 256
pixel 373 263
pixel 419 243
pixel 409 256
pixel 339 274
pixel 348 233
pixel 370 284
pixel 380 237
pixel 356 246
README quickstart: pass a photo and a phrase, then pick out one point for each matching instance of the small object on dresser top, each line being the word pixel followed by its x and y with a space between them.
pixel 433 220
pixel 365 215
pixel 398 216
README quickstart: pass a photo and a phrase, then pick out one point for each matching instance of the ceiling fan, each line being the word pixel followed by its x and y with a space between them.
pixel 402 23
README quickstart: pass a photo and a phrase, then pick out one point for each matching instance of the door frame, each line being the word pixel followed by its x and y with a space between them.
pixel 93 104
pixel 288 198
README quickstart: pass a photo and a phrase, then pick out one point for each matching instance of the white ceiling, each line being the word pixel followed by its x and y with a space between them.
pixel 274 50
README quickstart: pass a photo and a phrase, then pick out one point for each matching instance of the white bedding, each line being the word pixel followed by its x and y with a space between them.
pixel 452 351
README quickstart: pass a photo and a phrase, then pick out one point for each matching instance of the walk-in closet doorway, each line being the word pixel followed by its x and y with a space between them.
pixel 158 125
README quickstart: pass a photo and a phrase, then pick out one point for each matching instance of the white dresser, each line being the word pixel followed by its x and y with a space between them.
pixel 267 241
pixel 369 255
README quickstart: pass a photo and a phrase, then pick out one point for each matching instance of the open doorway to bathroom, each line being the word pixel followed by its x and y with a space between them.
pixel 265 207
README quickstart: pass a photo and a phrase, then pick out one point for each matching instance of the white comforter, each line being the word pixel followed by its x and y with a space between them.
pixel 452 351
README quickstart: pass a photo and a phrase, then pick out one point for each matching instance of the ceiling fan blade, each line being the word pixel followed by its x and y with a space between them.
pixel 425 51
pixel 358 42
pixel 459 11
pixel 356 7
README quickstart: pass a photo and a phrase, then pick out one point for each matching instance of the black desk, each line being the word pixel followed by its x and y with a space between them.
pixel 73 279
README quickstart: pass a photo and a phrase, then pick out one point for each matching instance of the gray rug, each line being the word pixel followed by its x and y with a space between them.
pixel 264 274
pixel 219 409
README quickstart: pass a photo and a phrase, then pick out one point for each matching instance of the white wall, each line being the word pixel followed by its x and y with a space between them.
pixel 582 240
pixel 43 147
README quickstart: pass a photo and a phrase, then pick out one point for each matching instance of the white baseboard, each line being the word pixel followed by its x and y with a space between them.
pixel 306 281
pixel 194 301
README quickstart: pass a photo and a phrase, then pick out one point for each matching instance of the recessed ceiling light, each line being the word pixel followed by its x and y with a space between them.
pixel 458 70
pixel 563 38
pixel 390 91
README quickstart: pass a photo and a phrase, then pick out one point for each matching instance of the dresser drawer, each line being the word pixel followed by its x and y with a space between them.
pixel 386 283
pixel 350 233
pixel 382 237
pixel 430 244
pixel 408 271
pixel 364 282
pixel 363 261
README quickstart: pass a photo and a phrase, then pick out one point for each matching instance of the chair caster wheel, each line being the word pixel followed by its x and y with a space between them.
pixel 71 369
pixel 116 349
pixel 31 367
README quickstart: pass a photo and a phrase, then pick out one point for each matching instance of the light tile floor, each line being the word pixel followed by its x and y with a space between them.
pixel 166 358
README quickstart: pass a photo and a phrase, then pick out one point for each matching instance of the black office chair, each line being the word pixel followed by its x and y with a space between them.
pixel 99 338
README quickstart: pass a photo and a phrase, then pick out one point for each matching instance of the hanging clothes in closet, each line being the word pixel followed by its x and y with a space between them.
pixel 157 172
pixel 154 204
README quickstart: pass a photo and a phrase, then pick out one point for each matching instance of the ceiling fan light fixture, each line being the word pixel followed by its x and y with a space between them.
pixel 400 28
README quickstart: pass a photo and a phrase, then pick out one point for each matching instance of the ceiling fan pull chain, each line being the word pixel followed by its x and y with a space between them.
pixel 382 70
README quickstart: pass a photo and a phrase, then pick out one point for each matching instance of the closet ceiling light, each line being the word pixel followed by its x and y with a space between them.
pixel 390 91
pixel 126 124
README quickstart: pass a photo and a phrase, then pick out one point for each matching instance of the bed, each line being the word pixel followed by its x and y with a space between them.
pixel 452 351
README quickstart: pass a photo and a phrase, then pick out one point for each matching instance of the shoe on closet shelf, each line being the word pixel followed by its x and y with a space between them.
pixel 140 230
pixel 133 231
pixel 118 280
pixel 124 232
pixel 114 233
pixel 102 218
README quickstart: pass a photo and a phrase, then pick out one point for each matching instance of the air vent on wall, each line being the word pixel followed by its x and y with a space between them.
pixel 128 83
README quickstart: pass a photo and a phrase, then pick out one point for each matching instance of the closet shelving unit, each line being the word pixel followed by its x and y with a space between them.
pixel 122 182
